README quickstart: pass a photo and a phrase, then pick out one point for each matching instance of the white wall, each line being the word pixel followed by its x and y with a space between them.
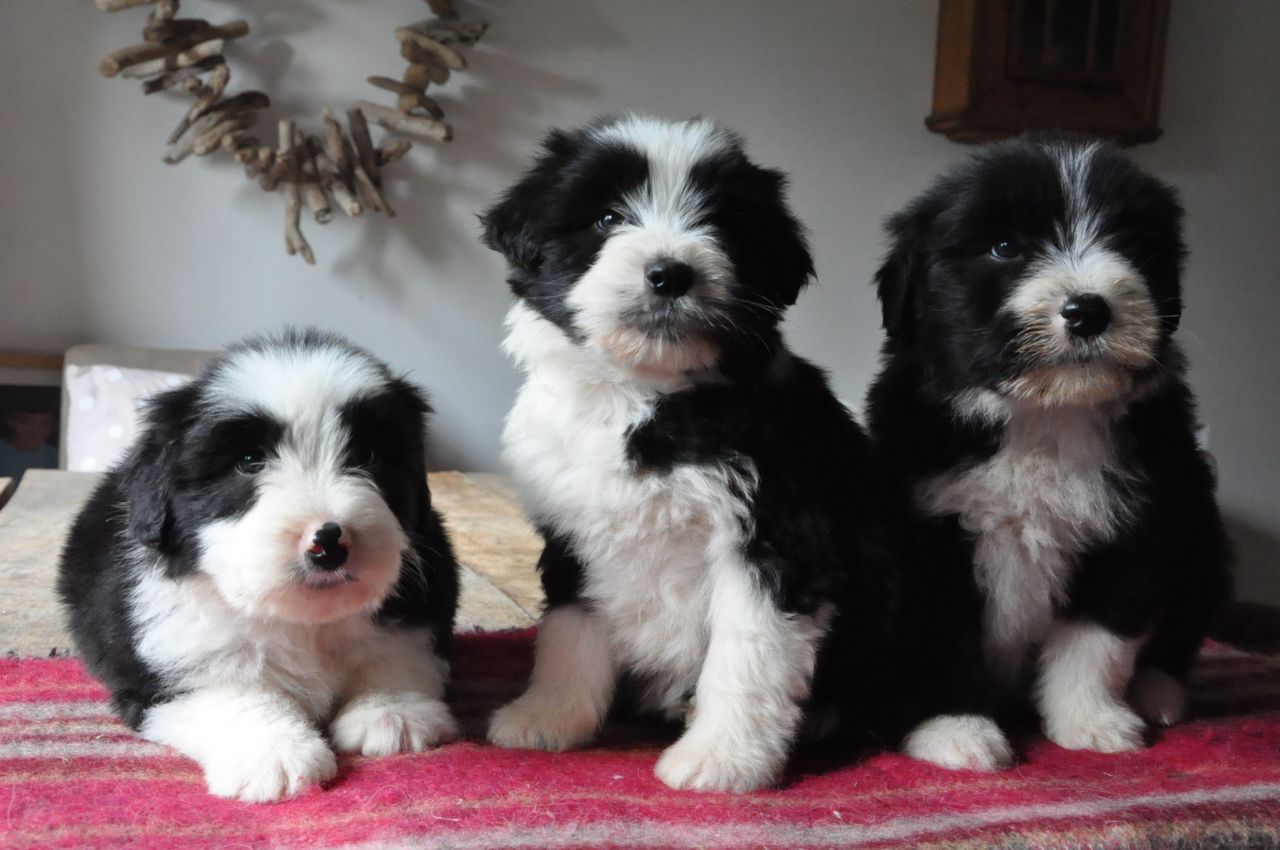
pixel 104 243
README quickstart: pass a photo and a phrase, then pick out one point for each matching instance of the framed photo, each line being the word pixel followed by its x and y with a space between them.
pixel 30 415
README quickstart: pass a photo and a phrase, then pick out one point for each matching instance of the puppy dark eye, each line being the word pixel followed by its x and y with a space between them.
pixel 251 463
pixel 609 220
pixel 1008 247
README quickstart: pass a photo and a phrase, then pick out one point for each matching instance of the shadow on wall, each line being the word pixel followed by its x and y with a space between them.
pixel 495 107
pixel 1257 561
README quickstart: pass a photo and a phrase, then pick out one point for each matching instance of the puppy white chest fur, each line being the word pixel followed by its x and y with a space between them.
pixel 188 633
pixel 645 540
pixel 1033 506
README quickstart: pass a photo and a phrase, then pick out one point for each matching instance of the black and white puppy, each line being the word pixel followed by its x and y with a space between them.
pixel 1033 402
pixel 265 564
pixel 706 501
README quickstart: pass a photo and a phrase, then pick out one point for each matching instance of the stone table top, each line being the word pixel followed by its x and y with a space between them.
pixel 495 545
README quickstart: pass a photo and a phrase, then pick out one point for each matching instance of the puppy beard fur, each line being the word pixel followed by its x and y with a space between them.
pixel 662 340
pixel 1062 370
pixel 256 560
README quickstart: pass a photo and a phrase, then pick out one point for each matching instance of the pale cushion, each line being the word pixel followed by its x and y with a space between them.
pixel 103 411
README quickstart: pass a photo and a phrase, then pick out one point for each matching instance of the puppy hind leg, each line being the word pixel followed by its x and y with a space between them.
pixel 1157 692
pixel 1084 671
pixel 396 702
pixel 1158 697
pixel 571 687
pixel 254 745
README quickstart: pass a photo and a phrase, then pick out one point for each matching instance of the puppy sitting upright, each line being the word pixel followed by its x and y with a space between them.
pixel 1033 401
pixel 700 489
pixel 265 561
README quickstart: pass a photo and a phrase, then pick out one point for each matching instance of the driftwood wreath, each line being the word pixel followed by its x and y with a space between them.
pixel 343 168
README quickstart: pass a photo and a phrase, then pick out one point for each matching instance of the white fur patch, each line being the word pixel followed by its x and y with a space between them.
pixel 1080 230
pixel 1037 502
pixel 258 690
pixel 1084 670
pixel 255 745
pixel 293 383
pixel 614 288
pixel 255 559
pixel 757 672
pixel 383 723
pixel 570 689
pixel 394 697
pixel 1066 370
pixel 960 742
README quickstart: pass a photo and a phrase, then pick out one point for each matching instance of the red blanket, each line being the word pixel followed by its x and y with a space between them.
pixel 72 776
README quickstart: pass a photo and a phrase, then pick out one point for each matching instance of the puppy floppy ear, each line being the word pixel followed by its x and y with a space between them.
pixel 511 226
pixel 794 263
pixel 902 273
pixel 1161 222
pixel 750 212
pixel 149 470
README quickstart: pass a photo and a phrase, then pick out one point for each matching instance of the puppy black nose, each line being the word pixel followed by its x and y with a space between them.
pixel 669 277
pixel 327 550
pixel 1086 315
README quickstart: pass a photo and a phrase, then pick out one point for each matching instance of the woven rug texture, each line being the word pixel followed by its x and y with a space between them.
pixel 73 776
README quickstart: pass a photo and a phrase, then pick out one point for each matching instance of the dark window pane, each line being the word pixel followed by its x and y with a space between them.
pixel 1031 39
pixel 1104 61
pixel 1070 34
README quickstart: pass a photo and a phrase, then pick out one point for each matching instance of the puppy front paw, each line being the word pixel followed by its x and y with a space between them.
pixel 1158 697
pixel 536 722
pixel 700 762
pixel 383 724
pixel 960 742
pixel 266 770
pixel 1105 728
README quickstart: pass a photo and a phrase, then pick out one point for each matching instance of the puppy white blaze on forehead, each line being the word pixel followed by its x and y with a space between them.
pixel 664 219
pixel 256 558
pixel 295 383
pixel 672 149
pixel 1080 229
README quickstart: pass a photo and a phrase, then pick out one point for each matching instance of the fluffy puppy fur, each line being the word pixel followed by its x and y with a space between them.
pixel 1032 401
pixel 709 508
pixel 265 565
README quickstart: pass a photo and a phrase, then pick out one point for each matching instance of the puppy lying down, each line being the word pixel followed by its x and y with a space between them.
pixel 263 580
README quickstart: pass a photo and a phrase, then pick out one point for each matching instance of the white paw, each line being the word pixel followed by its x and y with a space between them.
pixel 1104 728
pixel 265 770
pixel 535 722
pixel 382 724
pixel 1158 697
pixel 701 762
pixel 960 742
